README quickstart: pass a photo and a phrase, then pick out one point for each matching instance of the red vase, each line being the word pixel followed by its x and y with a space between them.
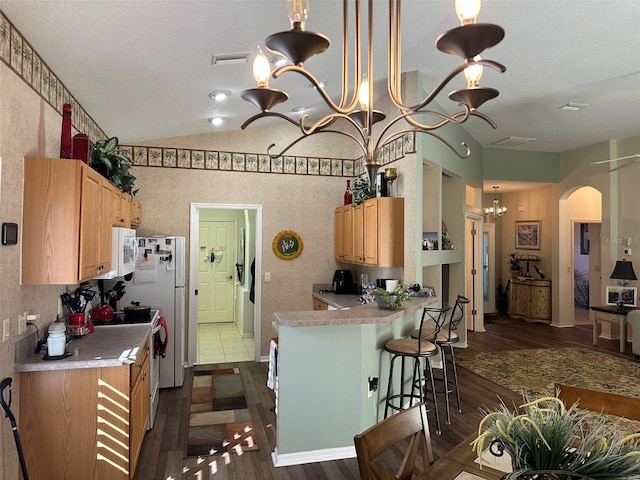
pixel 66 150
pixel 348 196
pixel 81 147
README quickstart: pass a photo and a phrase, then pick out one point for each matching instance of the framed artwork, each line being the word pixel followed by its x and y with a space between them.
pixel 584 239
pixel 429 240
pixel 619 294
pixel 287 245
pixel 528 235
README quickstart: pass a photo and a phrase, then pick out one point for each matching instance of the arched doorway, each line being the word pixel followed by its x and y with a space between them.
pixel 580 205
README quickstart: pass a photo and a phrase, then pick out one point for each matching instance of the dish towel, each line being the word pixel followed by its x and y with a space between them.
pixel 271 377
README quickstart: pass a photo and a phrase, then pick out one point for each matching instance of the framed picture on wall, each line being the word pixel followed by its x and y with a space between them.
pixel 528 235
pixel 625 295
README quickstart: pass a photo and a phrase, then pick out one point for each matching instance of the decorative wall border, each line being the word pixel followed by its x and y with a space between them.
pixel 19 56
pixel 186 158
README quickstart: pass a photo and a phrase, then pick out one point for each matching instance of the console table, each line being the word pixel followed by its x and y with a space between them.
pixel 612 314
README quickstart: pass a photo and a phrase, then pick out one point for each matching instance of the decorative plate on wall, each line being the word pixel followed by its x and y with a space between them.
pixel 287 245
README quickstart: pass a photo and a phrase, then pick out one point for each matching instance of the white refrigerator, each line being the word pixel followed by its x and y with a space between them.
pixel 158 281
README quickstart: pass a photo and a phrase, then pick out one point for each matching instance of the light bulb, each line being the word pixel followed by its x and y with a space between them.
pixel 363 93
pixel 298 11
pixel 473 74
pixel 261 69
pixel 468 10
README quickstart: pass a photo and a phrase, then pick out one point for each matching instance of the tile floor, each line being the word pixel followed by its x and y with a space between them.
pixel 221 343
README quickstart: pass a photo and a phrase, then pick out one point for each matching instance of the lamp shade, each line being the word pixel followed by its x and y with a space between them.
pixel 623 271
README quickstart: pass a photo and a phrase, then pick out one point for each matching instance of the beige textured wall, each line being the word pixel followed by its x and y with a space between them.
pixel 28 127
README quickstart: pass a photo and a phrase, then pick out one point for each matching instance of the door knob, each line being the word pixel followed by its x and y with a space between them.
pixel 230 277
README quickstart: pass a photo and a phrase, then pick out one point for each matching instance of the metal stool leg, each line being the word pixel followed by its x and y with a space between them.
pixel 445 384
pixel 432 387
pixel 455 377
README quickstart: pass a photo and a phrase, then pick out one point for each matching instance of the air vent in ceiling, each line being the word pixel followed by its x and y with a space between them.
pixel 513 141
pixel 229 58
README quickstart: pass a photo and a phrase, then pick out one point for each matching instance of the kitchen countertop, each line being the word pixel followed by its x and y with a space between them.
pixel 111 346
pixel 350 312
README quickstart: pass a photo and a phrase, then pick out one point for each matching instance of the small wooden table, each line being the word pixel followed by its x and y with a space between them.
pixel 460 459
pixel 612 314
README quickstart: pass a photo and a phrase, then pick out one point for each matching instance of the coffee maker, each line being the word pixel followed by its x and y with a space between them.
pixel 342 282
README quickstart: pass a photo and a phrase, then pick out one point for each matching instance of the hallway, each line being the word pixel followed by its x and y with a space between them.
pixel 222 343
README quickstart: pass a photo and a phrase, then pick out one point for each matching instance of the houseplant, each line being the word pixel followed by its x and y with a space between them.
pixel 107 160
pixel 514 264
pixel 548 441
pixel 390 300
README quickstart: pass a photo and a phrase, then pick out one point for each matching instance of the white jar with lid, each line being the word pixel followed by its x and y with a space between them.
pixel 57 339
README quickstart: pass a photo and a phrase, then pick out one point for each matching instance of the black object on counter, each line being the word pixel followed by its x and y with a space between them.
pixel 343 282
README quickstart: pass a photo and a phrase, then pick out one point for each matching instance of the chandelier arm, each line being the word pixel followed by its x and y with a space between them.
pixel 484 117
pixel 345 56
pixel 445 119
pixel 302 137
pixel 314 81
pixel 438 88
pixel 451 147
pixel 325 122
pixel 267 113
pixel 394 59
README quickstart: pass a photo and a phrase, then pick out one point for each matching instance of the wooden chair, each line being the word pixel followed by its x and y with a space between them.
pixel 597 401
pixel 410 424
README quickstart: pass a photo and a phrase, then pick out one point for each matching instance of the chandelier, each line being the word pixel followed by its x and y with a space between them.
pixel 495 210
pixel 355 106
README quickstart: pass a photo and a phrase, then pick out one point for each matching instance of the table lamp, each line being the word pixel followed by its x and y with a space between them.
pixel 623 273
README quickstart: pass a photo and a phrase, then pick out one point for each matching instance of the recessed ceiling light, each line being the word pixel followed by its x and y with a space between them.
pixel 215 121
pixel 572 107
pixel 278 60
pixel 219 95
pixel 299 110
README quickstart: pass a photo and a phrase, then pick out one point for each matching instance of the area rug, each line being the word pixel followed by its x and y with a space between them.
pixel 535 370
pixel 219 420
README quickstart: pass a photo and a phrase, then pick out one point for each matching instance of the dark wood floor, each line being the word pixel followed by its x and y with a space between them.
pixel 162 451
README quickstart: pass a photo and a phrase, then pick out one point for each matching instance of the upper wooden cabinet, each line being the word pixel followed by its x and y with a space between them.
pixel 136 213
pixel 377 232
pixel 67 218
pixel 343 245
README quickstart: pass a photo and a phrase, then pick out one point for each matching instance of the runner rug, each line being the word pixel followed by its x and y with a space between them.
pixel 535 370
pixel 219 420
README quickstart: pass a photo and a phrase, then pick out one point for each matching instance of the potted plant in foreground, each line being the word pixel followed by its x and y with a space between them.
pixel 548 441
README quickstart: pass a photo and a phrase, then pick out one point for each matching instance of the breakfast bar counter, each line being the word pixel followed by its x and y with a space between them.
pixel 328 364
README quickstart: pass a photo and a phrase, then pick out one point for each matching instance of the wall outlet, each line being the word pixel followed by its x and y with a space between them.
pixel 6 325
pixel 22 322
pixel 267 276
pixel 372 386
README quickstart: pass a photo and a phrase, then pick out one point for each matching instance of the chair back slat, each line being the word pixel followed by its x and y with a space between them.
pixel 410 425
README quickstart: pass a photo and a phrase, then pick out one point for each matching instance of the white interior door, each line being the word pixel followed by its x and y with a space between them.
pixel 216 271
pixel 473 280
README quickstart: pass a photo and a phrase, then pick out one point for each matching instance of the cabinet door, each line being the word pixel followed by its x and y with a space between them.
pixel 139 408
pixel 540 302
pixel 357 224
pixel 106 217
pixel 136 213
pixel 118 218
pixel 390 232
pixel 90 225
pixel 521 300
pixel 370 232
pixel 126 210
pixel 338 232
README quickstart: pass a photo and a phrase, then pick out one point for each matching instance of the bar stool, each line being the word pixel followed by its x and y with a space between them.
pixel 445 340
pixel 414 349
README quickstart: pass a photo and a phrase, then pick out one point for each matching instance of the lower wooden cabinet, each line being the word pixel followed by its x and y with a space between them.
pixel 84 423
pixel 319 304
pixel 531 300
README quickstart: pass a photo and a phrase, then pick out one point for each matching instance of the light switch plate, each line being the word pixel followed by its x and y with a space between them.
pixel 6 325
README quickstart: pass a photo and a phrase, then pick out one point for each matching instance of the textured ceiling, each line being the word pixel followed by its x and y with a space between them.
pixel 143 69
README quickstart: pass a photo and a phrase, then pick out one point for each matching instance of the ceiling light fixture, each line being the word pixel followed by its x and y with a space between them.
pixel 495 210
pixel 219 95
pixel 299 109
pixel 467 41
pixel 573 107
pixel 215 121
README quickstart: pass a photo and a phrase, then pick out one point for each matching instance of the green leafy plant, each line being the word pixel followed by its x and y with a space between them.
pixel 394 298
pixel 361 190
pixel 514 263
pixel 107 159
pixel 547 440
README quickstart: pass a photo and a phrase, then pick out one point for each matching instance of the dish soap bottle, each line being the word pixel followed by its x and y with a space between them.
pixel 348 196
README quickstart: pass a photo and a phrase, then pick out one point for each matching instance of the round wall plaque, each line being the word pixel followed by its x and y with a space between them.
pixel 287 245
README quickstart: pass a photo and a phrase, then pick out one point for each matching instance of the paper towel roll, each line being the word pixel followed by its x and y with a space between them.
pixel 390 285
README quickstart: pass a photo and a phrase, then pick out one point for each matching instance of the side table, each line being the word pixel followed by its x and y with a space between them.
pixel 612 314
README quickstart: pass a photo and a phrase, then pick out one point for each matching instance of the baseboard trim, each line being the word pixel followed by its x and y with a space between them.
pixel 311 456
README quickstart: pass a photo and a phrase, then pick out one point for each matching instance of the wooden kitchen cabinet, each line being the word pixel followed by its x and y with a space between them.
pixel 377 227
pixel 136 213
pixel 343 245
pixel 319 304
pixel 67 218
pixel 87 423
pixel 531 300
